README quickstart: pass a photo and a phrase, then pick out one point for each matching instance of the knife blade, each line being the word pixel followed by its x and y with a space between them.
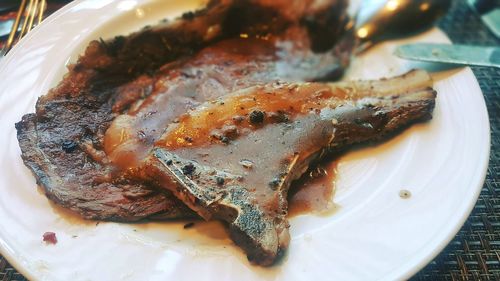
pixel 454 54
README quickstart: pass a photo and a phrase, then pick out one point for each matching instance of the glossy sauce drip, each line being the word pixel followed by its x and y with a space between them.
pixel 250 109
pixel 215 71
pixel 313 192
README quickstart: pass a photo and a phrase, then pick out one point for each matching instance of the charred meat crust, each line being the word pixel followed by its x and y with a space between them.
pixel 63 142
pixel 259 233
pixel 254 204
pixel 79 111
pixel 69 163
pixel 69 179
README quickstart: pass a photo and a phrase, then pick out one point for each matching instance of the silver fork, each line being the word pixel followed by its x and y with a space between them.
pixel 29 15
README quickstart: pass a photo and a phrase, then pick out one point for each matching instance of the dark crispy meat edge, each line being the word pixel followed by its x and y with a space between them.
pixel 118 58
pixel 105 66
pixel 386 122
pixel 166 206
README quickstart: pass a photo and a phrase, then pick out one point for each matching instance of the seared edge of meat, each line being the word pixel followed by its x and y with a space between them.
pixel 62 142
pixel 250 226
pixel 115 201
pixel 376 109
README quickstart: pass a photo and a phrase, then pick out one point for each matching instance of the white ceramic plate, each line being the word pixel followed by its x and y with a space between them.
pixel 374 234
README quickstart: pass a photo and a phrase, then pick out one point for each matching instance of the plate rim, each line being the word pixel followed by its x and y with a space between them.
pixel 480 180
pixel 480 175
pixel 16 262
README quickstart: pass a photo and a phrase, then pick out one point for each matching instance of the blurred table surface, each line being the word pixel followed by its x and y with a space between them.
pixel 474 253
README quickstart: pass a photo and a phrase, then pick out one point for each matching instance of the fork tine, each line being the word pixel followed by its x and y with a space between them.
pixel 32 16
pixel 35 10
pixel 26 19
pixel 15 27
pixel 43 6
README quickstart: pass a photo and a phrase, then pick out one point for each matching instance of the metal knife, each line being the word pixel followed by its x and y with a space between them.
pixel 454 54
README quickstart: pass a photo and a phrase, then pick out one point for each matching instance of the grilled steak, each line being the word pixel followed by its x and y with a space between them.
pixel 227 46
pixel 234 158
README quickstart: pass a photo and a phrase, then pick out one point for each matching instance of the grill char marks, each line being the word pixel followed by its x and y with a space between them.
pixel 219 69
pixel 253 201
pixel 77 141
pixel 69 165
pixel 63 142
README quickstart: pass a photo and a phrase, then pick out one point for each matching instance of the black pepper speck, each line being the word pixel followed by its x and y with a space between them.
pixel 257 117
pixel 219 180
pixel 274 183
pixel 69 146
pixel 188 169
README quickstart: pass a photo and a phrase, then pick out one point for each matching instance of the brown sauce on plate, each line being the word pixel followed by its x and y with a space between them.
pixel 313 192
